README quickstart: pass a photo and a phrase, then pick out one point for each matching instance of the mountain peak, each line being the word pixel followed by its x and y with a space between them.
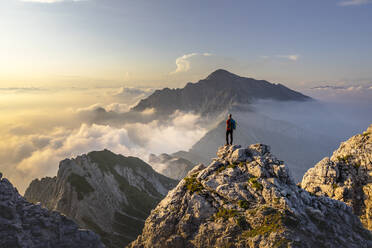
pixel 217 93
pixel 221 73
pixel 246 196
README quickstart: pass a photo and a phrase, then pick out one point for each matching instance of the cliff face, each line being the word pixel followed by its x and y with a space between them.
pixel 246 198
pixel 346 176
pixel 23 224
pixel 108 193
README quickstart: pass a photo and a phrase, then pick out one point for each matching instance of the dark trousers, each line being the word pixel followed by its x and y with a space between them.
pixel 229 132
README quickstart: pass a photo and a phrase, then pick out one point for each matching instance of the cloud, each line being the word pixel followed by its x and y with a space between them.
pixel 21 89
pixel 27 157
pixel 342 88
pixel 354 2
pixel 293 57
pixel 132 92
pixel 183 63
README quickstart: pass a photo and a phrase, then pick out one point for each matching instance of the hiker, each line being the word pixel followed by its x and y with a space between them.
pixel 230 126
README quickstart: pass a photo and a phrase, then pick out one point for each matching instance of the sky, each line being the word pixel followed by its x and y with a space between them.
pixel 106 43
pixel 65 62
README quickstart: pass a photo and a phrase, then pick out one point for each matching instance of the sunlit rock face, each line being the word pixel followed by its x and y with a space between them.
pixel 247 198
pixel 105 192
pixel 23 224
pixel 346 176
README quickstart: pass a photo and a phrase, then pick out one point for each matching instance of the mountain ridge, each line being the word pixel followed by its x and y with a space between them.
pixel 219 91
pixel 108 193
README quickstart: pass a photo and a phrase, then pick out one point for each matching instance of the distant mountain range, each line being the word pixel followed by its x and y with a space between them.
pixel 221 90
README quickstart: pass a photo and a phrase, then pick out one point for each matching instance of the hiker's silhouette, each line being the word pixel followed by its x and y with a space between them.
pixel 230 126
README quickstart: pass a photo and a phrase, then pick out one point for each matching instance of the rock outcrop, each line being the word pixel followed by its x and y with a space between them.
pixel 246 198
pixel 171 166
pixel 346 176
pixel 107 193
pixel 23 224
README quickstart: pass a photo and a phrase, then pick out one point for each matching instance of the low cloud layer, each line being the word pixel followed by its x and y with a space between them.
pixel 354 2
pixel 32 156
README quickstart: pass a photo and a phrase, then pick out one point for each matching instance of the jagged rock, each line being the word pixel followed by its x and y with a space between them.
pixel 170 166
pixel 246 198
pixel 346 176
pixel 23 224
pixel 107 193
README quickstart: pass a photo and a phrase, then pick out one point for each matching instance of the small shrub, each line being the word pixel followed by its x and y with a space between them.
pixel 271 223
pixel 241 222
pixel 356 165
pixel 344 159
pixel 334 186
pixel 193 185
pixel 365 134
pixel 222 168
pixel 225 213
pixel 255 184
pixel 243 204
pixel 232 166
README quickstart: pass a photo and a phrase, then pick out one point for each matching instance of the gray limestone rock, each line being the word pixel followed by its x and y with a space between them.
pixel 346 176
pixel 25 225
pixel 247 198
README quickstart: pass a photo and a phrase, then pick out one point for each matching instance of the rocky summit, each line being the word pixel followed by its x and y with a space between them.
pixel 346 176
pixel 25 225
pixel 108 193
pixel 247 198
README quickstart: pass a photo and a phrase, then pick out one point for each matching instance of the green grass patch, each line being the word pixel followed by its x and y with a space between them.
pixel 365 134
pixel 253 182
pixel 232 165
pixel 80 185
pixel 345 158
pixel 220 169
pixel 225 213
pixel 271 223
pixel 193 185
pixel 243 204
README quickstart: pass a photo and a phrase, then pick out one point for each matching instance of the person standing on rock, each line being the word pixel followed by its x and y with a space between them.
pixel 230 126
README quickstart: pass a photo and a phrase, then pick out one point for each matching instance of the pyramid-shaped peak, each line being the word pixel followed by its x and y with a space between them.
pixel 221 73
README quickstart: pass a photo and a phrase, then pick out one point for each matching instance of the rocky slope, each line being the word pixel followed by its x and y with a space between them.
pixel 107 193
pixel 346 176
pixel 218 92
pixel 171 166
pixel 23 224
pixel 246 198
